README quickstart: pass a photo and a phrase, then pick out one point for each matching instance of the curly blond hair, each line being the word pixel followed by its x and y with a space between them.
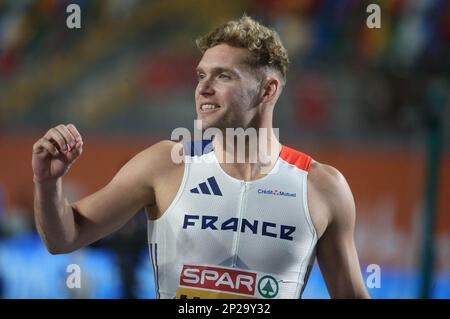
pixel 263 43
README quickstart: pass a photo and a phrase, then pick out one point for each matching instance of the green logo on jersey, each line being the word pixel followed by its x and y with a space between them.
pixel 268 287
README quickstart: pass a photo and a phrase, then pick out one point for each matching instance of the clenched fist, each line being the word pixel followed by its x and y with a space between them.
pixel 55 152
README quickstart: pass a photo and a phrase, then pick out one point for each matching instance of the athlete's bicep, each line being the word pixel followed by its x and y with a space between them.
pixel 108 209
pixel 105 211
pixel 336 251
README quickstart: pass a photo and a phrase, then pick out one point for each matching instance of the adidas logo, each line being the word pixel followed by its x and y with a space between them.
pixel 213 186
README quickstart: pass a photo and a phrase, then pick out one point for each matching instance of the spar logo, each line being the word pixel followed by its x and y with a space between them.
pixel 224 283
pixel 268 287
pixel 221 279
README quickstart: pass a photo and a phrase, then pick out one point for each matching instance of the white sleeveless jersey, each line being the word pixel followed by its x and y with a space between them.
pixel 226 238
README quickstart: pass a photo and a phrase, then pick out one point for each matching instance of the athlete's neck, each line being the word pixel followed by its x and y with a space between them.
pixel 247 154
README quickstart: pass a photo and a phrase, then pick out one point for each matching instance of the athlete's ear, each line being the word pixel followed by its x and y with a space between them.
pixel 270 89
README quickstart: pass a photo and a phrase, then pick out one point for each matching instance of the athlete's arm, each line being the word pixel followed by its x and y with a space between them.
pixel 65 227
pixel 108 209
pixel 336 251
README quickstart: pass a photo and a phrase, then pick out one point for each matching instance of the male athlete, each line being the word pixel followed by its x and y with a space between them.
pixel 216 229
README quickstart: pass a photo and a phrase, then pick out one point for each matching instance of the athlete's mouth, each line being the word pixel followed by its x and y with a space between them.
pixel 208 107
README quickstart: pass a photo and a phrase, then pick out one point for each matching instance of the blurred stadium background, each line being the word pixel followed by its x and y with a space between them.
pixel 372 102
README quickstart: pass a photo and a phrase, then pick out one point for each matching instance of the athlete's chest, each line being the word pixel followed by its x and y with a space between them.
pixel 221 205
pixel 259 225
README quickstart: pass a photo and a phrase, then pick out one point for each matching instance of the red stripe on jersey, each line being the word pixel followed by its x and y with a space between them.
pixel 296 158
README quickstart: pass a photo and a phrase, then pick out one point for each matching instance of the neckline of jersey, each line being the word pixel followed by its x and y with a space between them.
pixel 251 182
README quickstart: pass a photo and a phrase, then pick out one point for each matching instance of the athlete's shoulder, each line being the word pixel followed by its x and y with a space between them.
pixel 163 148
pixel 170 154
pixel 165 153
pixel 155 159
pixel 332 188
pixel 145 167
pixel 327 184
pixel 325 176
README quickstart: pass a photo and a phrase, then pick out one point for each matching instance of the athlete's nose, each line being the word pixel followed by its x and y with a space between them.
pixel 206 88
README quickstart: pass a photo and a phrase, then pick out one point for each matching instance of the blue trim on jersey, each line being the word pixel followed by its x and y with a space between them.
pixel 198 148
pixel 154 255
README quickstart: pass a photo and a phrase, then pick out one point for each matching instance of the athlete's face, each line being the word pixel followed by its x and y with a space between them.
pixel 228 89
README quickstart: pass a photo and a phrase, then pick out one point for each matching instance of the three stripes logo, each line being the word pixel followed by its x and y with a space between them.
pixel 203 188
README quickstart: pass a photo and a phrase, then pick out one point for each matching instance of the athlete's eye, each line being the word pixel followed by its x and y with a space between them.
pixel 224 76
pixel 200 76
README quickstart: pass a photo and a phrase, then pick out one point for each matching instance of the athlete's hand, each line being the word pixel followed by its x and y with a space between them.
pixel 55 152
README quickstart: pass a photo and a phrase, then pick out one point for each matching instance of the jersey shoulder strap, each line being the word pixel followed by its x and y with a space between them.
pixel 296 158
